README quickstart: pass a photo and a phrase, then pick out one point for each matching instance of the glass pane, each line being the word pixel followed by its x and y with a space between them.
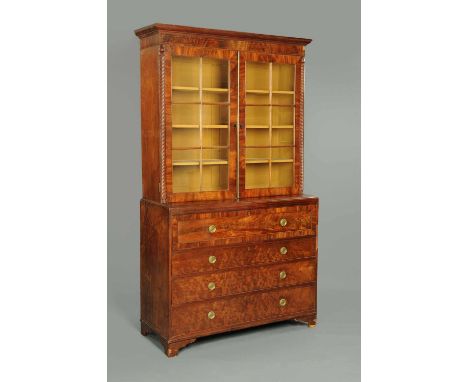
pixel 257 175
pixel 215 96
pixel 282 77
pixel 185 115
pixel 185 72
pixel 257 76
pixel 214 177
pixel 283 99
pixel 217 156
pixel 282 174
pixel 282 154
pixel 183 138
pixel 215 74
pixel 257 137
pixel 185 157
pixel 215 115
pixel 186 179
pixel 257 155
pixel 282 137
pixel 257 116
pixel 214 169
pixel 185 96
pixel 200 153
pixel 269 120
pixel 215 137
pixel 282 116
pixel 257 99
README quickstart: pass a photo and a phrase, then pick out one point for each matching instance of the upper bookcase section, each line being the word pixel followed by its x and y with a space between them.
pixel 156 34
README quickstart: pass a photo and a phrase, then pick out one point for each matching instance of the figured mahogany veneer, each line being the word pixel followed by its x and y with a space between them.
pixel 227 239
pixel 248 281
pixel 194 261
pixel 243 311
pixel 244 226
pixel 207 286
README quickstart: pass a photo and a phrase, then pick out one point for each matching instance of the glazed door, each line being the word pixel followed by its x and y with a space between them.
pixel 270 129
pixel 201 114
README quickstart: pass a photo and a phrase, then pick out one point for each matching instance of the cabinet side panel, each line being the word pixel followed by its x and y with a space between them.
pixel 149 72
pixel 154 267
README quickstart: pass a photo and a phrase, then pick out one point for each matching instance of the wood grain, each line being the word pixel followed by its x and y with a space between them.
pixel 195 288
pixel 190 262
pixel 223 39
pixel 192 319
pixel 150 143
pixel 155 268
pixel 242 226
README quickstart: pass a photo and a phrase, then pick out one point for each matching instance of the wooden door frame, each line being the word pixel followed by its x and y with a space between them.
pixel 297 187
pixel 166 110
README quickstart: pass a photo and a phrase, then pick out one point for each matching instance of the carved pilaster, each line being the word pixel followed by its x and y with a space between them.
pixel 301 126
pixel 162 67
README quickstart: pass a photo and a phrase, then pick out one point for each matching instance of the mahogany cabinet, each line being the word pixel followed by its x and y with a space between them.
pixel 228 240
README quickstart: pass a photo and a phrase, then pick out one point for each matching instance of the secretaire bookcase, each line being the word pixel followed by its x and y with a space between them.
pixel 228 240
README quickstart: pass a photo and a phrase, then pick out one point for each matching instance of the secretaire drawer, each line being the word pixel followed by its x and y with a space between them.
pixel 202 287
pixel 212 316
pixel 221 228
pixel 210 259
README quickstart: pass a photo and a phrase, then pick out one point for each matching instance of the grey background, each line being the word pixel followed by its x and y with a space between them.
pixel 279 352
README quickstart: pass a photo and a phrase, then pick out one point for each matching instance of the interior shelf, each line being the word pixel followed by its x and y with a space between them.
pixel 215 126
pixel 271 104
pixel 254 91
pixel 266 160
pixel 200 103
pixel 186 163
pixel 282 126
pixel 257 126
pixel 186 88
pixel 215 90
pixel 185 126
pixel 282 91
pixel 214 161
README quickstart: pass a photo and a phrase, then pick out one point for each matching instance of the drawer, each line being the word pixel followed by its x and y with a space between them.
pixel 241 280
pixel 223 228
pixel 241 311
pixel 211 259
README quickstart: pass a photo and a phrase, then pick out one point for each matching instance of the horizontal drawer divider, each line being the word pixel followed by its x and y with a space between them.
pixel 245 324
pixel 216 271
pixel 243 244
pixel 244 293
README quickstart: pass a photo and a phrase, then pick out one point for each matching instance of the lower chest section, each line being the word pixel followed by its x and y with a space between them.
pixel 230 270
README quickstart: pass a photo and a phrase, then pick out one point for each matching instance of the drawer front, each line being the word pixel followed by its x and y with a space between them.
pixel 221 228
pixel 219 258
pixel 213 316
pixel 196 288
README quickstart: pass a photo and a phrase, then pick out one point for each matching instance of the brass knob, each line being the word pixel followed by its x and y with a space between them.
pixel 283 302
pixel 282 275
pixel 283 222
pixel 212 259
pixel 211 315
pixel 211 285
pixel 283 250
pixel 212 228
